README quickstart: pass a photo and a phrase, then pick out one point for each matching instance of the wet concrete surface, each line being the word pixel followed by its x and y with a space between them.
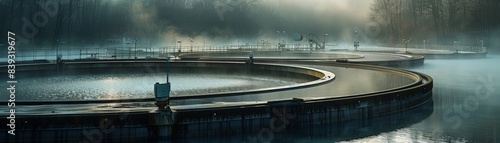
pixel 348 82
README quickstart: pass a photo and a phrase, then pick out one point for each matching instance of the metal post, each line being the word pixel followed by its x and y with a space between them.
pixel 424 44
pixel 482 46
pixel 278 36
pixel 406 45
pixel 135 47
pixel 168 63
pixel 191 44
pixel 57 48
pixel 262 44
pixel 356 40
pixel 455 45
pixel 324 40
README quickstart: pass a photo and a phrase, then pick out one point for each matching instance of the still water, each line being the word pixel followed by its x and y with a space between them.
pixel 466 104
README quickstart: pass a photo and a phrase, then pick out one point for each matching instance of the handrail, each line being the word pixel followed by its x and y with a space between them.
pixel 143 52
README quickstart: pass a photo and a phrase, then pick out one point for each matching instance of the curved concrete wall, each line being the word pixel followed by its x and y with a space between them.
pixel 210 121
pixel 156 66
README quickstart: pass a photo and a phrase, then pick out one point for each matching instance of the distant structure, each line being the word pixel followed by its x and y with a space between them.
pixel 314 40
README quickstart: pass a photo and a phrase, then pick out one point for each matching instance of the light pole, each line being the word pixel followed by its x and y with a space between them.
pixel 59 56
pixel 482 43
pixel 278 36
pixel 424 44
pixel 57 49
pixel 191 44
pixel 284 36
pixel 356 40
pixel 406 45
pixel 455 45
pixel 129 49
pixel 135 47
pixel 180 46
pixel 324 40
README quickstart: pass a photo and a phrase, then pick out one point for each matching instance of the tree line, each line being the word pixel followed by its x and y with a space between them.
pixel 439 21
pixel 81 22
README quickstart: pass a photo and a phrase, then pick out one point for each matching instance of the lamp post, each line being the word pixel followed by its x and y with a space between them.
pixel 455 45
pixel 284 37
pixel 424 44
pixel 278 36
pixel 57 49
pixel 406 45
pixel 324 40
pixel 135 47
pixel 59 56
pixel 180 46
pixel 191 44
pixel 179 42
pixel 482 43
pixel 356 40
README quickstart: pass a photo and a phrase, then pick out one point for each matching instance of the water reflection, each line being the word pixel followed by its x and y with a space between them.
pixel 463 111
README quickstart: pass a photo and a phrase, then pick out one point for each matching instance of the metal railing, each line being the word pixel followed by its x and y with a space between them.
pixel 145 52
pixel 477 49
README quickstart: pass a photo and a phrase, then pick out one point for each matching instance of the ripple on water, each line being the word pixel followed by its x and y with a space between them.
pixel 126 86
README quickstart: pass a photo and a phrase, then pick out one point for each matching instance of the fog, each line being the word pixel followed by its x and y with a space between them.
pixel 260 20
pixel 85 23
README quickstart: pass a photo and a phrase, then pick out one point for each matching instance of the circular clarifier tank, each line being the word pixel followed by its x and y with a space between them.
pixel 130 86
pixel 209 94
pixel 135 80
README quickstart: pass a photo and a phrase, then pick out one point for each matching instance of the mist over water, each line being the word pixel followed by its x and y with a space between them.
pixel 466 94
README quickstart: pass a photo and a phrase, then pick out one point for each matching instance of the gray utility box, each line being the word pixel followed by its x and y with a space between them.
pixel 162 91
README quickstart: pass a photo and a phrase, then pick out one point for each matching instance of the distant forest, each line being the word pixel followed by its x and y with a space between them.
pixel 94 21
pixel 78 22
pixel 442 20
